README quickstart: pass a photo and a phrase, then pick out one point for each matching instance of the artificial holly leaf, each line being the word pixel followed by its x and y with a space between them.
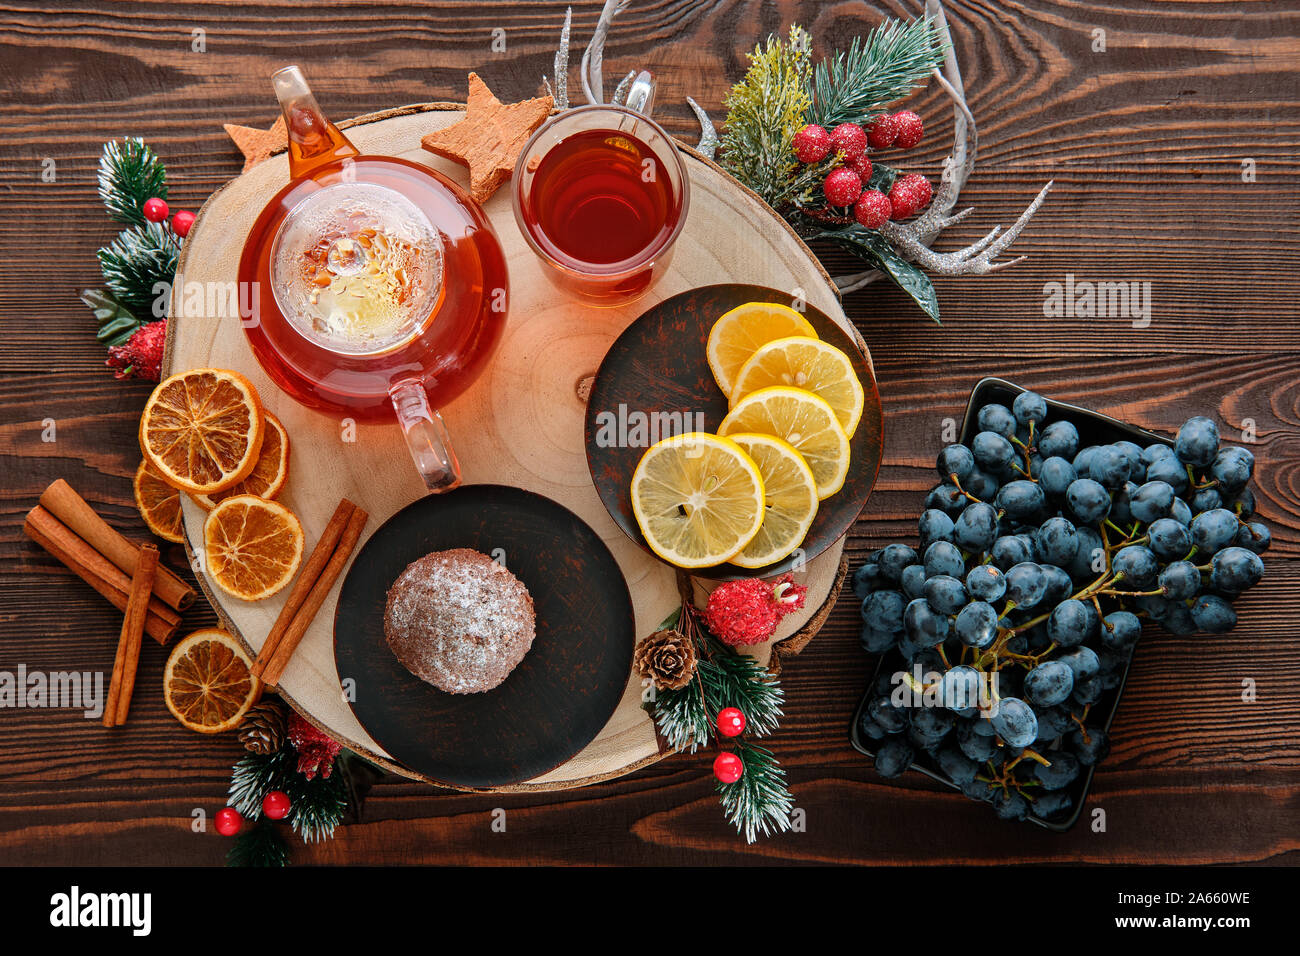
pixel 882 177
pixel 876 250
pixel 116 322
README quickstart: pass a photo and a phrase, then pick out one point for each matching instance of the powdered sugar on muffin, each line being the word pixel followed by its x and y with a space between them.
pixel 459 620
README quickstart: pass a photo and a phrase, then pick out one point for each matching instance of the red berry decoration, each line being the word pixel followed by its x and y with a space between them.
pixel 228 821
pixel 731 722
pixel 842 187
pixel 909 127
pixel 155 210
pixel 728 768
pixel 903 200
pixel 276 805
pixel 919 188
pixel 181 223
pixel 747 611
pixel 924 191
pixel 849 139
pixel 861 166
pixel 882 132
pixel 812 144
pixel 872 209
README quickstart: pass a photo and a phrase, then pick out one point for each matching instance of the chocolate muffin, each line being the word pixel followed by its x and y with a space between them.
pixel 459 620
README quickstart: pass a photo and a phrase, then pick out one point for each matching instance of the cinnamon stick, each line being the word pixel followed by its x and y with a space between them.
pixel 316 562
pixel 96 570
pixel 127 660
pixel 60 500
pixel 320 590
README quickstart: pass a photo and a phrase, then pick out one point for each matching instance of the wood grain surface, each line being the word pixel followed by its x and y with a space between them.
pixel 1147 142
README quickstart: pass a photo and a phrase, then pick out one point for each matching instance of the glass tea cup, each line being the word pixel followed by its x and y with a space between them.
pixel 379 285
pixel 601 194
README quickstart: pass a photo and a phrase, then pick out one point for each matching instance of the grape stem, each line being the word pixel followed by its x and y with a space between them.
pixel 1132 594
pixel 957 482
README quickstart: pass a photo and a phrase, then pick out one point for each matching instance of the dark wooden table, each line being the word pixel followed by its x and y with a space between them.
pixel 1147 142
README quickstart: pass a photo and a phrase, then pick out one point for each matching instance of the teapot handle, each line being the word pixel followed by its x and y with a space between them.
pixel 426 436
pixel 313 140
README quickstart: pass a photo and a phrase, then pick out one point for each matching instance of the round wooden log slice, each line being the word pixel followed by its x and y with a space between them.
pixel 520 424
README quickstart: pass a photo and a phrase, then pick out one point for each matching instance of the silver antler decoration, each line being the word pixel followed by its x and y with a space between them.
pixel 911 239
pixel 591 71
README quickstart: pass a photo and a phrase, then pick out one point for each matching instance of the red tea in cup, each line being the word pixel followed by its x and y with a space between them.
pixel 597 197
pixel 600 193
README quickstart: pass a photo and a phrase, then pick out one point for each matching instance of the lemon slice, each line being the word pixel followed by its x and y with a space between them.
pixel 804 421
pixel 810 364
pixel 698 499
pixel 790 499
pixel 739 333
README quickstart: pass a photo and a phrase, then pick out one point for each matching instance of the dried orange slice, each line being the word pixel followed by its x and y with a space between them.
pixel 208 684
pixel 252 546
pixel 268 475
pixel 203 429
pixel 159 503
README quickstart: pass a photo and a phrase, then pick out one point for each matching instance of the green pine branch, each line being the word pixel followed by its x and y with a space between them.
pixel 856 84
pixel 129 173
pixel 683 718
pixel 764 111
pixel 260 845
pixel 759 802
pixel 737 680
pixel 318 804
pixel 137 262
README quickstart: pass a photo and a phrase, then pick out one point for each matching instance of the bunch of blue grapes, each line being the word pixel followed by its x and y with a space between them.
pixel 1040 560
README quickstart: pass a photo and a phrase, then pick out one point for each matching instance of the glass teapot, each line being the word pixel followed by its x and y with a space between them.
pixel 379 286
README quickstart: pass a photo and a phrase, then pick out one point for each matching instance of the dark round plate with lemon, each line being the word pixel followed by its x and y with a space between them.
pixel 778 383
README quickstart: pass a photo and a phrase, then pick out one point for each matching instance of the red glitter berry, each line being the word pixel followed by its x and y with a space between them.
pixel 228 821
pixel 181 223
pixel 141 355
pixel 872 209
pixel 903 201
pixel 842 187
pixel 747 611
pixel 861 166
pixel 849 139
pixel 920 188
pixel 882 132
pixel 727 767
pixel 155 209
pixel 909 127
pixel 812 144
pixel 316 750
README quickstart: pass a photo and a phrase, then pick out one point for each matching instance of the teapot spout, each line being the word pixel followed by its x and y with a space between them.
pixel 313 140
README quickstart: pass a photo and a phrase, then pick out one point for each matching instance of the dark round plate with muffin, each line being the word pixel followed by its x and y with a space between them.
pixel 485 636
pixel 655 380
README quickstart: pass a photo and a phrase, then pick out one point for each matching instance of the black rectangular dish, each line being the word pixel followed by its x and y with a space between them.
pixel 1093 428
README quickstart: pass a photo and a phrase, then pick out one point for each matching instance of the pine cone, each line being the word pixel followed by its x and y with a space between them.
pixel 666 657
pixel 264 727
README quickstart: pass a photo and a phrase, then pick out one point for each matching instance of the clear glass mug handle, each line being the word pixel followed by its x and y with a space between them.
pixel 641 94
pixel 426 437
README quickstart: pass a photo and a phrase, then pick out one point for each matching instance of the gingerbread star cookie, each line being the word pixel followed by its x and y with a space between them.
pixel 488 140
pixel 258 144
